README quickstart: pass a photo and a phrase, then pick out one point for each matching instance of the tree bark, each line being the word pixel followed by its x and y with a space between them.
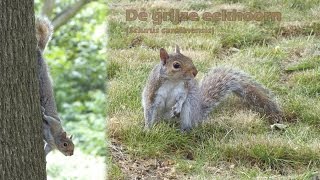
pixel 21 144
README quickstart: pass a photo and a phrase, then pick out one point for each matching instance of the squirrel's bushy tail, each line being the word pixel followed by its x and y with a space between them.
pixel 44 30
pixel 221 82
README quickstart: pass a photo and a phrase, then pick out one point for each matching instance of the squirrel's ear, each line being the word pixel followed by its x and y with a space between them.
pixel 177 49
pixel 71 136
pixel 163 56
pixel 64 135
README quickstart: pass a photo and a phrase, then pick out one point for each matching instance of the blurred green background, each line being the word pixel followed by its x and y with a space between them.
pixel 77 62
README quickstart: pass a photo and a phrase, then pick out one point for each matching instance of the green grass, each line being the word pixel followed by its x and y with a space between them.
pixel 235 142
pixel 309 63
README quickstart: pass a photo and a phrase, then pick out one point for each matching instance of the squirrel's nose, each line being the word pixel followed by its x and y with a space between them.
pixel 195 72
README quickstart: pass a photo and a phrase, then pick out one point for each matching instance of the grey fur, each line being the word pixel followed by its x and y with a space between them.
pixel 164 97
pixel 55 136
pixel 221 82
pixel 53 133
pixel 44 31
pixel 46 90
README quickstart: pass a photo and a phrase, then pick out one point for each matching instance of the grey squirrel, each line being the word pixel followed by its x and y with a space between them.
pixel 55 136
pixel 53 133
pixel 171 91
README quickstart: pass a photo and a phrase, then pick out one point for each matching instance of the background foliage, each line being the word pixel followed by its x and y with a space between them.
pixel 76 59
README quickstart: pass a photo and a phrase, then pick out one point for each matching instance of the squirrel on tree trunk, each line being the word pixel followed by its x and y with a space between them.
pixel 53 133
pixel 172 92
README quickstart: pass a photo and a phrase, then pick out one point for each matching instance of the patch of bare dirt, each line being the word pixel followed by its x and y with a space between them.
pixel 136 168
pixel 299 28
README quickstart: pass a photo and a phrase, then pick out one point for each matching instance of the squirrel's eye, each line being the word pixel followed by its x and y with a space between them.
pixel 65 144
pixel 176 65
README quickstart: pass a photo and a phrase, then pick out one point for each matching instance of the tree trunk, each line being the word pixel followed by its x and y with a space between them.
pixel 21 144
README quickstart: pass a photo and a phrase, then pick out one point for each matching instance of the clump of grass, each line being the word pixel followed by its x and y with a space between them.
pixel 307 83
pixel 241 35
pixel 298 29
pixel 257 5
pixel 117 36
pixel 269 155
pixel 112 69
pixel 302 5
pixel 305 64
pixel 155 43
pixel 114 172
pixel 198 6
pixel 302 108
pixel 161 141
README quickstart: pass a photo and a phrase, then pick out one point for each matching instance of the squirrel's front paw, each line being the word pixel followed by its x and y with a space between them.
pixel 175 112
pixel 185 129
pixel 42 111
pixel 147 127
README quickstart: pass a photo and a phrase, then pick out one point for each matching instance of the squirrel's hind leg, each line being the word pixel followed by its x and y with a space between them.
pixel 186 117
pixel 47 149
pixel 191 112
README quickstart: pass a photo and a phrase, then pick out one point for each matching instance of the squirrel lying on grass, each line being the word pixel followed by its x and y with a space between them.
pixel 172 92
pixel 53 133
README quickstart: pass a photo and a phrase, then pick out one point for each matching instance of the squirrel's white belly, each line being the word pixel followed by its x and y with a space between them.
pixel 169 91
